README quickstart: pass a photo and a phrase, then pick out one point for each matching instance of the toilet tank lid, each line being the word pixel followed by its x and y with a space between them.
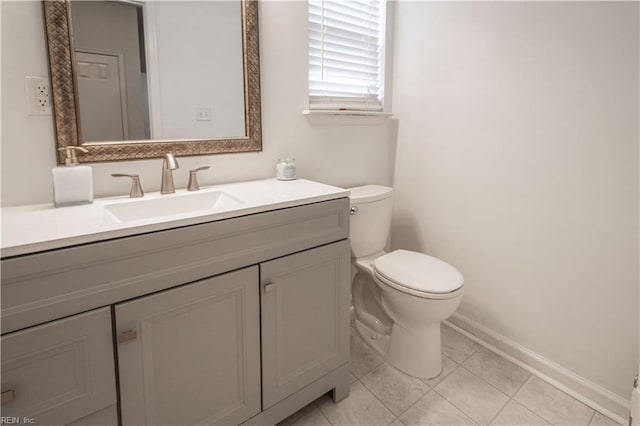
pixel 369 193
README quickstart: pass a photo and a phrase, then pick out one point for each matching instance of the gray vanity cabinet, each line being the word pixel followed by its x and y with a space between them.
pixel 241 320
pixel 191 355
pixel 305 306
pixel 60 372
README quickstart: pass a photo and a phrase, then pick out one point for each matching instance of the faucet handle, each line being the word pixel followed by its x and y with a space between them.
pixel 136 187
pixel 193 178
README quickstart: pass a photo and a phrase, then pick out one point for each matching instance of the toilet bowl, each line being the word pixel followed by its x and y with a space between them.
pixel 399 298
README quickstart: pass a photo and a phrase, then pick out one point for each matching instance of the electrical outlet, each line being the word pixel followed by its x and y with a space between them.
pixel 38 92
pixel 203 114
pixel 43 101
pixel 42 88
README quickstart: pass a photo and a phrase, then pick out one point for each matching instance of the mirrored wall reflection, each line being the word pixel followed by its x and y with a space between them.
pixel 111 70
pixel 159 70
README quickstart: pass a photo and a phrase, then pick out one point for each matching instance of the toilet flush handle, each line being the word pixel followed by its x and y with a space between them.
pixel 353 210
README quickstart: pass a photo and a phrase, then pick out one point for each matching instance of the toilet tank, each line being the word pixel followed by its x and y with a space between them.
pixel 371 207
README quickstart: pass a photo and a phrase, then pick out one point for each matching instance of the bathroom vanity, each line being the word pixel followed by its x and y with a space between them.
pixel 236 314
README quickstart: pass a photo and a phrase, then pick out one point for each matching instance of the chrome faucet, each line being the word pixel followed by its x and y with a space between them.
pixel 169 164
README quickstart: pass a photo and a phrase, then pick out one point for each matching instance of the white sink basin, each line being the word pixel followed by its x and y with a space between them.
pixel 172 205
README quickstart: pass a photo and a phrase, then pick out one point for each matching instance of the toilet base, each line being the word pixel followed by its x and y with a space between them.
pixel 416 355
pixel 403 328
pixel 376 341
pixel 416 352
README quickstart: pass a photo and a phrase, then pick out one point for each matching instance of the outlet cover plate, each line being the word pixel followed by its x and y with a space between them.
pixel 38 93
pixel 203 114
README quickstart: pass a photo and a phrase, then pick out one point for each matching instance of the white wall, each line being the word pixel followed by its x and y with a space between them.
pixel 517 162
pixel 340 155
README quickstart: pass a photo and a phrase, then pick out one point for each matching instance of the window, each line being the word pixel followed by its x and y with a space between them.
pixel 346 55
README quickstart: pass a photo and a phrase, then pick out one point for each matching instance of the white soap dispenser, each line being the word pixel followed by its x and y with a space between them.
pixel 72 183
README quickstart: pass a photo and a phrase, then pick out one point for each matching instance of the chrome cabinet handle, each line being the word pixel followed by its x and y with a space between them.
pixel 7 396
pixel 353 210
pixel 136 187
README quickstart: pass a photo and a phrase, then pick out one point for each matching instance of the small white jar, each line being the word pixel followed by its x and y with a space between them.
pixel 286 169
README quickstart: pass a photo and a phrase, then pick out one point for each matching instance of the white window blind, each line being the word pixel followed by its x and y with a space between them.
pixel 345 54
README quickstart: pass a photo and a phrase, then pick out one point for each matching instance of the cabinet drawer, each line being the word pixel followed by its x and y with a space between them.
pixel 59 372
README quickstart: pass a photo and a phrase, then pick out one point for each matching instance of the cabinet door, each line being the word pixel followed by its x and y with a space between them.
pixel 305 318
pixel 191 355
pixel 59 372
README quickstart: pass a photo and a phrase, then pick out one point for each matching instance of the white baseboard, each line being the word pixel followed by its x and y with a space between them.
pixel 595 396
pixel 635 407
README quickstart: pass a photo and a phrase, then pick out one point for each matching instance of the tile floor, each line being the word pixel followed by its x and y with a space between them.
pixel 476 386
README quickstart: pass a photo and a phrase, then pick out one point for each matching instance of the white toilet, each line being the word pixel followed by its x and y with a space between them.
pixel 400 298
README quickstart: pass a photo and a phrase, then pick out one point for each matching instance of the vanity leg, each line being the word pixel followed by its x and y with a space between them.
pixel 341 391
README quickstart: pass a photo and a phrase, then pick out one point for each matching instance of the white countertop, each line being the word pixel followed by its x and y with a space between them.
pixel 35 228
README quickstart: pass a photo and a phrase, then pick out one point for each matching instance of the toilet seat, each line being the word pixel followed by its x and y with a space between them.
pixel 418 274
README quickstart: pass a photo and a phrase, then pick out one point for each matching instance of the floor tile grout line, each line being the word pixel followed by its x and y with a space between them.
pixel 451 359
pixel 491 384
pixel 534 372
pixel 325 417
pixel 463 363
pixel 364 342
pixel 477 349
pixel 419 399
pixel 472 353
pixel 315 404
pixel 373 393
pixel 531 376
pixel 556 388
pixel 475 375
pixel 431 388
pixel 478 345
pixel 531 408
pixel 381 401
pixel 321 413
pixel 499 412
pixel 457 408
pixel 522 385
pixel 443 377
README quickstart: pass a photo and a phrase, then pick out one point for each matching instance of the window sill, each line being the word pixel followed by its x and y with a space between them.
pixel 351 118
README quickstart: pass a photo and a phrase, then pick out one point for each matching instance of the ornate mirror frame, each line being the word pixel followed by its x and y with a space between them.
pixel 58 28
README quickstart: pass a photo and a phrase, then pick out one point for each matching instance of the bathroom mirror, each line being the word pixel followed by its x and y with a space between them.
pixel 134 79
